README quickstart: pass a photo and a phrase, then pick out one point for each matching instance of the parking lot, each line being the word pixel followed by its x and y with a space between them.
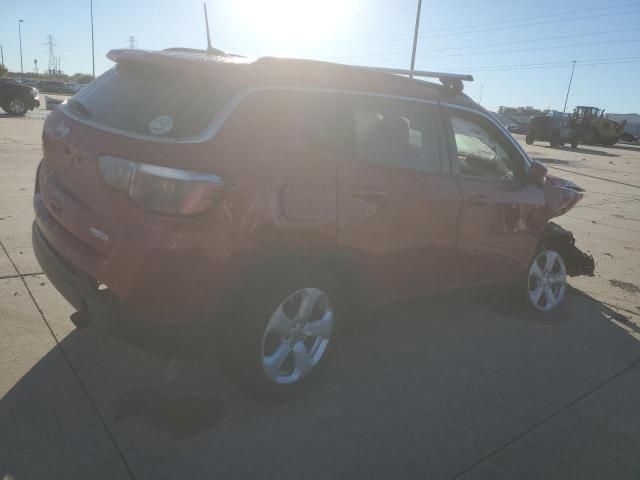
pixel 460 386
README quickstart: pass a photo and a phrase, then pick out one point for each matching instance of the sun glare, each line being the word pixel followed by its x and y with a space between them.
pixel 294 22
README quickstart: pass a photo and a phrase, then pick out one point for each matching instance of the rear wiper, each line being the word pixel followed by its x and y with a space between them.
pixel 78 107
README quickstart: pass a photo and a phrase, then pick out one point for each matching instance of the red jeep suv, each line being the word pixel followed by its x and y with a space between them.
pixel 256 199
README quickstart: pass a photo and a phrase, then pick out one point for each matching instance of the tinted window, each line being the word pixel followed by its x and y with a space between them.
pixel 480 152
pixel 154 102
pixel 396 133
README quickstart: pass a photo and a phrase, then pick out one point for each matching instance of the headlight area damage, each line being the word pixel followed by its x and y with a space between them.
pixel 561 195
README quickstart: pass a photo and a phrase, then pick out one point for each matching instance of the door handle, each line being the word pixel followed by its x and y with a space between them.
pixel 478 200
pixel 369 194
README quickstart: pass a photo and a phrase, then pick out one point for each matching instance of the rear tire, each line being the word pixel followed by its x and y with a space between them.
pixel 15 106
pixel 270 348
pixel 529 139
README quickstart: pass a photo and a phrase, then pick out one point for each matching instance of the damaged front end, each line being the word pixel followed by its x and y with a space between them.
pixel 561 195
pixel 563 241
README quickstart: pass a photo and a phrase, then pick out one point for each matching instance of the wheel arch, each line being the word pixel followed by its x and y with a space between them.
pixel 254 268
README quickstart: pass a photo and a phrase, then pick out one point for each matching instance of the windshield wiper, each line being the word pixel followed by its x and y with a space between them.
pixel 78 107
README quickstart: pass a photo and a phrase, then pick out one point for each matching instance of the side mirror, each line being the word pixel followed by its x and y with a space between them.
pixel 537 172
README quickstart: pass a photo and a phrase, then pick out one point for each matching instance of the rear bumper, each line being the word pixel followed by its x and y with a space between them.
pixel 103 310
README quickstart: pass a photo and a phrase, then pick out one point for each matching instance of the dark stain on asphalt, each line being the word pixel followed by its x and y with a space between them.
pixel 626 286
pixel 553 161
pixel 181 416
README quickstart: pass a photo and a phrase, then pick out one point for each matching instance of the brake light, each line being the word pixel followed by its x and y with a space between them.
pixel 161 189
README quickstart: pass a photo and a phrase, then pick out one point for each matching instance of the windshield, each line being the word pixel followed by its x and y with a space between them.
pixel 161 103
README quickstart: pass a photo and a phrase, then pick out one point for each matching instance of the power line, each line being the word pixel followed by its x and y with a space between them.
pixel 534 24
pixel 551 47
pixel 426 55
pixel 579 63
pixel 539 39
pixel 471 27
pixel 537 17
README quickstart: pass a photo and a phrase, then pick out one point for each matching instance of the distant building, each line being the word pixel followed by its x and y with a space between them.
pixel 518 115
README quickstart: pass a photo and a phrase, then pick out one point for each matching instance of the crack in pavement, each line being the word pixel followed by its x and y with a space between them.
pixel 19 275
pixel 563 409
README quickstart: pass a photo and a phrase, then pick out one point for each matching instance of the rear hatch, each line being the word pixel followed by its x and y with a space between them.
pixel 144 110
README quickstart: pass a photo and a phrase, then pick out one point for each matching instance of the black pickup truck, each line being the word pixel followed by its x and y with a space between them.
pixel 16 98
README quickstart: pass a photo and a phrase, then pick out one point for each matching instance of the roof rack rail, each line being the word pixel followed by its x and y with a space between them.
pixel 214 51
pixel 450 80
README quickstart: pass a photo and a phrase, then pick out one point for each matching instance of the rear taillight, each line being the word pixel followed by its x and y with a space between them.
pixel 161 189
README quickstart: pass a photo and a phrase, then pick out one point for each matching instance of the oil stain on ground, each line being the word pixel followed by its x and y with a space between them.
pixel 181 416
pixel 626 286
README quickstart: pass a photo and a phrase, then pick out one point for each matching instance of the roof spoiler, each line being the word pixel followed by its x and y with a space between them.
pixel 450 80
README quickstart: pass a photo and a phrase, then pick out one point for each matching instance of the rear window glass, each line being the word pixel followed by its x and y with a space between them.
pixel 161 103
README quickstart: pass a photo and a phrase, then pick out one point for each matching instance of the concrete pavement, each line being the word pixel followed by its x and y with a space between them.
pixel 449 387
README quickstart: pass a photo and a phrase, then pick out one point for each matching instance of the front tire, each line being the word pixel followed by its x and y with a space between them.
pixel 15 106
pixel 529 138
pixel 555 140
pixel 546 280
pixel 282 333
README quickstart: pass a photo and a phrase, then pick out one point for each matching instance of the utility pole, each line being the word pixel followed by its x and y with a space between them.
pixel 415 39
pixel 1 55
pixel 481 90
pixel 59 66
pixel 564 109
pixel 132 42
pixel 20 36
pixel 93 50
pixel 35 65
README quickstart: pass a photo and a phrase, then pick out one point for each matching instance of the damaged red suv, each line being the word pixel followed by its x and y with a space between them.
pixel 258 199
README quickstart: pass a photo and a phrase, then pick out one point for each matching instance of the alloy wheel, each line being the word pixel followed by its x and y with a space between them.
pixel 297 335
pixel 547 280
pixel 17 106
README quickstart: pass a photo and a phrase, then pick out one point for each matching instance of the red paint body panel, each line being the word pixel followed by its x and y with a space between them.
pixel 400 228
pixel 500 226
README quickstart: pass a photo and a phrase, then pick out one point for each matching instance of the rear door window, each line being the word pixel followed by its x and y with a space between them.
pixel 396 133
pixel 156 102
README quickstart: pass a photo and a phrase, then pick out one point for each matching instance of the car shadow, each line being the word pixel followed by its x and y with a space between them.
pixel 432 372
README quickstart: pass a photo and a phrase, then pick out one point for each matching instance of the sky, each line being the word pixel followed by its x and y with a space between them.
pixel 520 52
